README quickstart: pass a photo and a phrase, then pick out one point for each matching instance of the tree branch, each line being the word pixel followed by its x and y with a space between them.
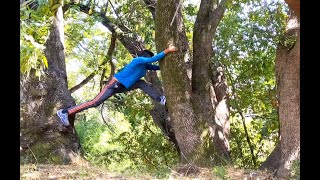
pixel 102 77
pixel 106 7
pixel 108 58
pixel 132 42
pixel 218 14
pixel 248 138
pixel 151 5
pixel 81 46
pixel 208 17
pixel 82 83
pixel 124 27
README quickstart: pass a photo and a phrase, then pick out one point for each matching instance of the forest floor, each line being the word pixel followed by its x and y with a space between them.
pixel 47 171
pixel 87 171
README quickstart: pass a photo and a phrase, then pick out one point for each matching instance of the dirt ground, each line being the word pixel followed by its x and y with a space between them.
pixel 45 171
pixel 86 172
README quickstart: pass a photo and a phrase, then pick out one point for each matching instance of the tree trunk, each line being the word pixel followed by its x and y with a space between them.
pixel 288 83
pixel 160 113
pixel 295 6
pixel 189 131
pixel 43 138
pixel 221 114
pixel 208 108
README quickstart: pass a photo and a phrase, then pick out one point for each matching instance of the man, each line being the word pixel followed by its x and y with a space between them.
pixel 127 79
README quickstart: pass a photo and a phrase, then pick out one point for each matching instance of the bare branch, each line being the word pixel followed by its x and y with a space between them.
pixel 102 78
pixel 238 110
pixel 82 83
pixel 175 12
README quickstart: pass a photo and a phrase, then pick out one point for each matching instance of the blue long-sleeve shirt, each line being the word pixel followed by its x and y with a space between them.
pixel 137 69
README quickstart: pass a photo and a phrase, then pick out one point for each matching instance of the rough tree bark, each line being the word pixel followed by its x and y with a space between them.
pixel 209 109
pixel 160 113
pixel 192 107
pixel 43 138
pixel 288 84
pixel 177 84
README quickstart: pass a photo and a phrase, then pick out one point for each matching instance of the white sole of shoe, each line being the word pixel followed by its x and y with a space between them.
pixel 61 119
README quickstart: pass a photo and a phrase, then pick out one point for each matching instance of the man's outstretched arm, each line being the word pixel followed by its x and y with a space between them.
pixel 158 56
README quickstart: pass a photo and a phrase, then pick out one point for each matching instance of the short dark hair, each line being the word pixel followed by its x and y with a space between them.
pixel 146 53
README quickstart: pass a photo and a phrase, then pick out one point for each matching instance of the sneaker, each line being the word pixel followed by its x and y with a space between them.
pixel 162 100
pixel 63 117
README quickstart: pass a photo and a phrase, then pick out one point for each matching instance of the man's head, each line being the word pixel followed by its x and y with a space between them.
pixel 146 53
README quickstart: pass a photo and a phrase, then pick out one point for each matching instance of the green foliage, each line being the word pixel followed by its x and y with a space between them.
pixel 189 15
pixel 54 5
pixel 134 17
pixel 263 133
pixel 135 146
pixel 288 41
pixel 221 172
pixel 34 31
pixel 295 170
pixel 245 43
pixel 87 43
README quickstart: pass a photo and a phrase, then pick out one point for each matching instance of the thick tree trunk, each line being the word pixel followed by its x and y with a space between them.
pixel 177 84
pixel 160 113
pixel 288 83
pixel 43 138
pixel 205 100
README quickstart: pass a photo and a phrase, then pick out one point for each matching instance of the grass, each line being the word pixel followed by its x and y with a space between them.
pixel 84 170
pixel 46 171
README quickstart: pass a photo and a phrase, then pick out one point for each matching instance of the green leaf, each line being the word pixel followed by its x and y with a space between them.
pixel 45 61
pixel 54 7
pixel 24 17
pixel 85 34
